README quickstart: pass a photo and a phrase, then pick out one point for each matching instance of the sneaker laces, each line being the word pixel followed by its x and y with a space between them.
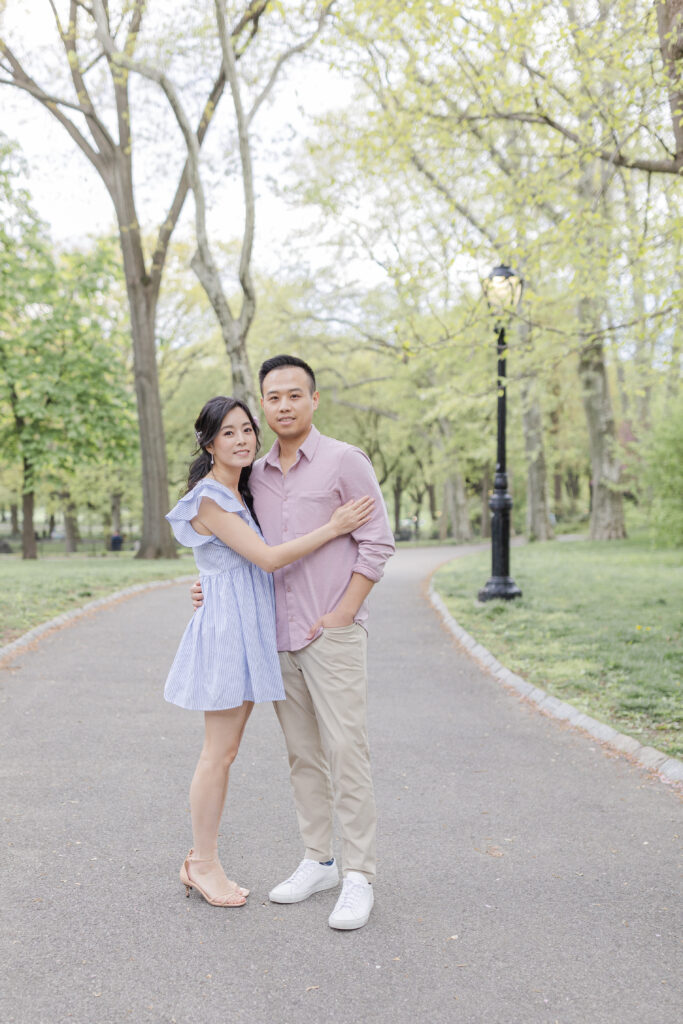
pixel 304 869
pixel 352 895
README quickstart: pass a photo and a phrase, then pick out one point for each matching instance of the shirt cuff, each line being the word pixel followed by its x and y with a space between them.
pixel 371 572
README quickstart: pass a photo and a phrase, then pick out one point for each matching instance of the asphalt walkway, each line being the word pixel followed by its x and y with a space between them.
pixel 527 876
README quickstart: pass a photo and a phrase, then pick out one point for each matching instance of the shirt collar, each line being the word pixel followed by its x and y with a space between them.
pixel 273 456
pixel 310 445
pixel 307 449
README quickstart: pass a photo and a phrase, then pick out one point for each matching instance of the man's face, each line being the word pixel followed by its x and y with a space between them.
pixel 288 403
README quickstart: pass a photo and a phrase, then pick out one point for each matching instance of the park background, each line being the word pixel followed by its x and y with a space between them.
pixel 188 189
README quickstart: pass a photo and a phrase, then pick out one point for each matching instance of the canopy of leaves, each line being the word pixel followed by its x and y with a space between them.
pixel 65 398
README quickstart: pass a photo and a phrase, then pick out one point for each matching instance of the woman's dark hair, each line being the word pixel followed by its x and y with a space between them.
pixel 206 427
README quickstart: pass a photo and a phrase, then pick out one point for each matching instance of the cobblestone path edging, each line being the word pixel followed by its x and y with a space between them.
pixel 669 768
pixel 26 639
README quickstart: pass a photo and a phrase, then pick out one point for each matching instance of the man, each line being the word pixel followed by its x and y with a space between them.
pixel 321 608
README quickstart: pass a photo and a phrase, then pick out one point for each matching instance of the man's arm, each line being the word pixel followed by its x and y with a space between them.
pixel 375 541
pixel 343 615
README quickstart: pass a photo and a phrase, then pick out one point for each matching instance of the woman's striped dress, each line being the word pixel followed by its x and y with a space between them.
pixel 228 652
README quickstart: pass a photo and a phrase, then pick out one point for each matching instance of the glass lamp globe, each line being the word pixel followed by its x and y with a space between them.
pixel 503 289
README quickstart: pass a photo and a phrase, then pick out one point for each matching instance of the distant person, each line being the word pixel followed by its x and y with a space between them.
pixel 321 611
pixel 227 659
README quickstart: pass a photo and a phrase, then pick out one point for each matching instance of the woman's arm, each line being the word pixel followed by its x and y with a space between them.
pixel 233 531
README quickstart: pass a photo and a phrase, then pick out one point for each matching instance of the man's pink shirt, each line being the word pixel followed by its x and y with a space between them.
pixel 327 473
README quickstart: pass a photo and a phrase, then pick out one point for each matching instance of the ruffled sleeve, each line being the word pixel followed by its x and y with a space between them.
pixel 188 507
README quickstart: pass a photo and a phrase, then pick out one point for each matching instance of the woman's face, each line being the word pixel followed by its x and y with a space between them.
pixel 234 446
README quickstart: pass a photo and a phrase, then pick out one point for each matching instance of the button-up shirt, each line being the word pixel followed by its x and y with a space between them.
pixel 327 473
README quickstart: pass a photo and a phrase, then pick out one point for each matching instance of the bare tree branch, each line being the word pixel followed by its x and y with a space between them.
pixel 22 80
pixel 102 138
pixel 119 59
pixel 615 156
pixel 285 57
pixel 230 69
pixel 455 203
pixel 250 17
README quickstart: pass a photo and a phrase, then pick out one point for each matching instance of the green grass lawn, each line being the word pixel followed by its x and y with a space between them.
pixel 33 591
pixel 599 625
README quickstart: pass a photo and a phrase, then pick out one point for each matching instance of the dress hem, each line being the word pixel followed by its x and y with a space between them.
pixel 226 707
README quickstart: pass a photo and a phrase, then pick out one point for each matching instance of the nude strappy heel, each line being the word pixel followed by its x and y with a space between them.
pixel 235 899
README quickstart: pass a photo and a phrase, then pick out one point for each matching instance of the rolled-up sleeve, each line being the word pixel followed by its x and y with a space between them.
pixel 374 539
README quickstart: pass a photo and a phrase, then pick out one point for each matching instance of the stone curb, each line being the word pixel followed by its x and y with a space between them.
pixel 26 639
pixel 669 768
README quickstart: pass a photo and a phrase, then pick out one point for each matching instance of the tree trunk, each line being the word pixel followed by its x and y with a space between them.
pixel 445 517
pixel 240 370
pixel 607 511
pixel 537 520
pixel 431 495
pixel 621 382
pixel 116 512
pixel 670 28
pixel 557 495
pixel 234 336
pixel 29 548
pixel 156 540
pixel 455 507
pixel 554 432
pixel 454 495
pixel 449 514
pixel 572 486
pixel 70 525
pixel 397 492
pixel 607 508
pixel 14 519
pixel 417 498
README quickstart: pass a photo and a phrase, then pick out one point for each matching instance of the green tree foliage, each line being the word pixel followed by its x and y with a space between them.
pixel 64 399
pixel 488 132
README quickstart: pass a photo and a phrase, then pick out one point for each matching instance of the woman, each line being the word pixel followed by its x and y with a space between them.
pixel 227 659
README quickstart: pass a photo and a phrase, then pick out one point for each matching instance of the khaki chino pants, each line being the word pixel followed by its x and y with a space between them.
pixel 325 728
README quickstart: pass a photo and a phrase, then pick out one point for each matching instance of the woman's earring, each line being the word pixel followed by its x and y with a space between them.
pixel 212 458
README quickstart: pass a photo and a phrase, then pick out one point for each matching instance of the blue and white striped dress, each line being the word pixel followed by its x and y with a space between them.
pixel 228 653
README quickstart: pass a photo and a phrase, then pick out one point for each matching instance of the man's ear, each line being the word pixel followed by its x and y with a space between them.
pixel 316 398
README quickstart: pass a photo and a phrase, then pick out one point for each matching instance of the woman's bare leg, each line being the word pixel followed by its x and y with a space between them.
pixel 239 740
pixel 223 732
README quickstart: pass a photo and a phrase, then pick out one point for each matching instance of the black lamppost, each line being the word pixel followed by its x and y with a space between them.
pixel 503 290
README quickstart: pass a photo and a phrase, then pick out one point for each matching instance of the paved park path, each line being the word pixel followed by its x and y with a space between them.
pixel 527 876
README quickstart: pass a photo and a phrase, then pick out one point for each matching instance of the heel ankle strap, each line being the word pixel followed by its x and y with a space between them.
pixel 200 860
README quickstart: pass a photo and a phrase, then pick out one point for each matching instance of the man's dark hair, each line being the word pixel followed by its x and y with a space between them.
pixel 276 362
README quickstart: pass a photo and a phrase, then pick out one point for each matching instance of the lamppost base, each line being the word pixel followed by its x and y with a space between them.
pixel 501 587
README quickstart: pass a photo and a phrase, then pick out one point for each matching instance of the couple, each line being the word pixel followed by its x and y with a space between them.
pixel 327 538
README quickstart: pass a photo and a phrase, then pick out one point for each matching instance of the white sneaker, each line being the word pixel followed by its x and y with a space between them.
pixel 354 904
pixel 308 878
